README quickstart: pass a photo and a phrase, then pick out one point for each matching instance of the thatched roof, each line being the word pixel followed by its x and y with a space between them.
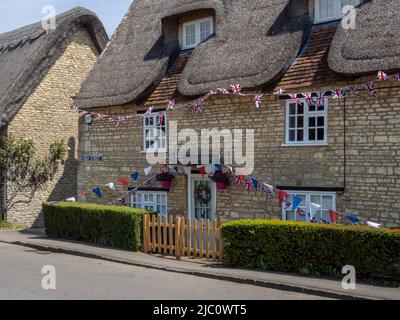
pixel 26 55
pixel 373 44
pixel 255 42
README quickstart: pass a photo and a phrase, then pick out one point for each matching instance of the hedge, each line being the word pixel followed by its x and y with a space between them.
pixel 119 227
pixel 313 249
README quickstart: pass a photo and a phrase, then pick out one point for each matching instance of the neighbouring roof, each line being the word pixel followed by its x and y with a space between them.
pixel 373 44
pixel 255 43
pixel 26 55
pixel 311 67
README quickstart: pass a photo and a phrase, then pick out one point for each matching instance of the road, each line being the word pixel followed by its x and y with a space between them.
pixel 83 279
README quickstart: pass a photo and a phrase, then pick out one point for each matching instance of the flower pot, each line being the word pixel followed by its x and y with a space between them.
pixel 166 184
pixel 221 186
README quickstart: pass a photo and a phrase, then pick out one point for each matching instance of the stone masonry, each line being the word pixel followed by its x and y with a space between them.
pixel 47 116
pixel 367 135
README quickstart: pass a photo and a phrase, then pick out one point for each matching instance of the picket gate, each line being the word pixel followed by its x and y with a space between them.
pixel 183 237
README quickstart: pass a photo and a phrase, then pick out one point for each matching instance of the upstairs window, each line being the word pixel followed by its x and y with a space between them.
pixel 327 10
pixel 195 32
pixel 306 123
pixel 155 132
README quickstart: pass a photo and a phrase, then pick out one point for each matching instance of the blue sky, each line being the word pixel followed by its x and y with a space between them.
pixel 18 13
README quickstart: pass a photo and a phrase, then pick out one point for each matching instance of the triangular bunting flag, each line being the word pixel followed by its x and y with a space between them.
pixel 124 181
pixel 135 176
pixel 147 170
pixel 314 207
pixel 296 203
pixel 97 192
pixel 374 225
pixel 281 196
pixel 333 215
pixel 111 185
pixel 352 219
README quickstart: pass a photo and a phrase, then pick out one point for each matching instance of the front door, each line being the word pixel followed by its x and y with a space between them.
pixel 202 203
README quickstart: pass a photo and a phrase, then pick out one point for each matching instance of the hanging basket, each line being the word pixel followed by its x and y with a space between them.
pixel 221 186
pixel 166 184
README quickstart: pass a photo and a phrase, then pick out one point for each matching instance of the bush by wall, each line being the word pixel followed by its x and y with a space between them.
pixel 312 248
pixel 119 227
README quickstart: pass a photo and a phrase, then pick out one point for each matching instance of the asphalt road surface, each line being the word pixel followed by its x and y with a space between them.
pixel 82 278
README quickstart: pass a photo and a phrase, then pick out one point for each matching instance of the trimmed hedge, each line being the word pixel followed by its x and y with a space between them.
pixel 313 249
pixel 119 227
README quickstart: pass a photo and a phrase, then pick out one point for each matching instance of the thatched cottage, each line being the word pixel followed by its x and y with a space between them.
pixel 40 73
pixel 342 154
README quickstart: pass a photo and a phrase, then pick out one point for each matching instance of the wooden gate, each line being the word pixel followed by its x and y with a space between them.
pixel 182 236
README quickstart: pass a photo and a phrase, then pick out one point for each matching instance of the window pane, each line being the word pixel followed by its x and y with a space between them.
pixel 292 109
pixel 300 135
pixel 205 30
pixel 311 122
pixel 326 8
pixel 311 135
pixel 300 122
pixel 321 134
pixel 191 35
pixel 300 109
pixel 311 108
pixel 292 135
pixel 292 122
pixel 321 121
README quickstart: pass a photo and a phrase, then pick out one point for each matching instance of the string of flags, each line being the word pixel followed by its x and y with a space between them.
pixel 196 106
pixel 310 214
pixel 250 184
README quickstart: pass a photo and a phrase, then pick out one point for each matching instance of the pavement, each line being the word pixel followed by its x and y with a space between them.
pixel 79 278
pixel 328 288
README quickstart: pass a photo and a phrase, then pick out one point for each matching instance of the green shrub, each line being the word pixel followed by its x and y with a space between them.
pixel 313 248
pixel 119 227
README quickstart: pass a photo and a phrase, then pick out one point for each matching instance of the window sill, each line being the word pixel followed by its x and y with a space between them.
pixel 323 144
pixel 153 151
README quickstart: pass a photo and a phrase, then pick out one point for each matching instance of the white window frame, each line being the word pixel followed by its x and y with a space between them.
pixel 338 14
pixel 197 24
pixel 138 200
pixel 156 130
pixel 306 205
pixel 307 115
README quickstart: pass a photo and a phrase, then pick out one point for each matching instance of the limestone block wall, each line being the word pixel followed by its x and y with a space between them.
pixel 47 116
pixel 362 154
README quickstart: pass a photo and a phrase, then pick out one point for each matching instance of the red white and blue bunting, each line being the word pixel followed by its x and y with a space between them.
pixel 197 106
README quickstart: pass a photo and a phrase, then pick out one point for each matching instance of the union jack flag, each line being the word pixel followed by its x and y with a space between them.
pixel 370 88
pixel 148 112
pixel 249 184
pixel 171 105
pixel 354 90
pixel 382 76
pixel 210 94
pixel 287 205
pixel 239 179
pixel 338 94
pixel 279 92
pixel 198 107
pixel 160 119
pixel 118 120
pixel 320 100
pixel 235 88
pixel 82 114
pixel 294 97
pixel 100 116
pixel 223 91
pixel 309 98
pixel 301 212
pixel 268 190
pixel 259 99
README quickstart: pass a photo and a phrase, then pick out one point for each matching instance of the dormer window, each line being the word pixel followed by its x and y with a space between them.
pixel 328 10
pixel 195 32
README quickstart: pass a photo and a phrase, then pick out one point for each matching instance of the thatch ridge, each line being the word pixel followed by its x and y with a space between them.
pixel 27 54
pixel 248 36
pixel 373 44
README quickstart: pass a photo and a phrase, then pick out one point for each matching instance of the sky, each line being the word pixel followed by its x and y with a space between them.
pixel 19 13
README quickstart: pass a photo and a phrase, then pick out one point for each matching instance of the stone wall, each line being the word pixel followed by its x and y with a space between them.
pixel 47 116
pixel 371 145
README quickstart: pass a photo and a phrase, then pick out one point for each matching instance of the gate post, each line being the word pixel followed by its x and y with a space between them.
pixel 177 238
